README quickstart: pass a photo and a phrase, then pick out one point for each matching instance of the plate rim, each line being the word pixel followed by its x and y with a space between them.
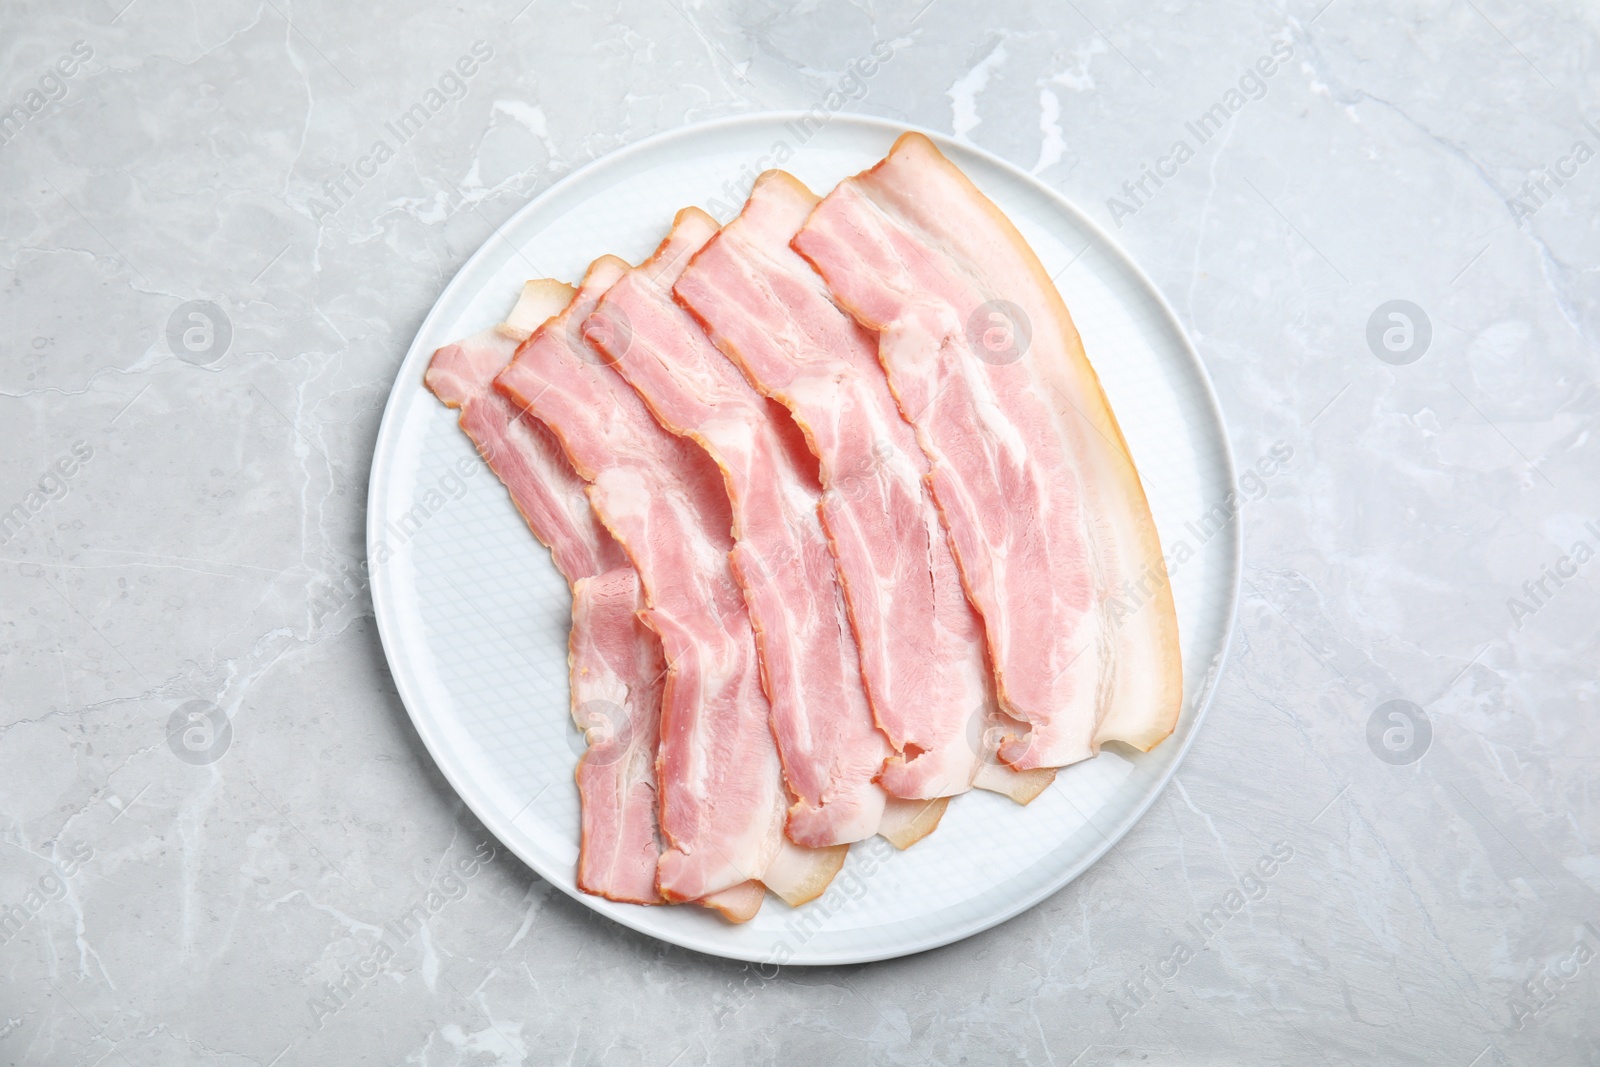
pixel 387 441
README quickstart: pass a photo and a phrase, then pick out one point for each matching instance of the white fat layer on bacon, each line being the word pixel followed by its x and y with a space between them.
pixel 921 643
pixel 721 792
pixel 830 748
pixel 1046 514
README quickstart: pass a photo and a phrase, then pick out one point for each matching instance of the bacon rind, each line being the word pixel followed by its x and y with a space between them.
pixel 906 822
pixel 737 904
pixel 916 252
pixel 799 874
pixel 830 749
pixel 921 643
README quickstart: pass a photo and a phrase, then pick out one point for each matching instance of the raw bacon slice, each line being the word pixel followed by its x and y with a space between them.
pixel 830 749
pixel 905 822
pixel 720 786
pixel 1045 511
pixel 922 645
pixel 738 904
pixel 617 677
pixel 521 452
pixel 614 665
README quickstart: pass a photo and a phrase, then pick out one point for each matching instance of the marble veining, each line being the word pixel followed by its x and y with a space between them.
pixel 223 842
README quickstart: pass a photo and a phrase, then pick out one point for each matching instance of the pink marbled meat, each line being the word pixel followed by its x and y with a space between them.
pixel 523 454
pixel 617 678
pixel 720 786
pixel 829 745
pixel 614 664
pixel 1045 511
pixel 921 643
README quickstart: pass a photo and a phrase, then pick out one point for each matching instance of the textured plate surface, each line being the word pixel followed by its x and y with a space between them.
pixel 474 617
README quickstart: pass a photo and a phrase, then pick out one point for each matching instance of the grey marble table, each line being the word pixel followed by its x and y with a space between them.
pixel 1378 223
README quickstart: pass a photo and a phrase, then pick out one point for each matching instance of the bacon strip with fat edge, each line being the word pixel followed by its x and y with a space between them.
pixel 618 676
pixel 614 664
pixel 1047 517
pixel 522 452
pixel 721 790
pixel 829 746
pixel 921 643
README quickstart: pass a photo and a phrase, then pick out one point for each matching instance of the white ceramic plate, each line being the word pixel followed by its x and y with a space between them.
pixel 474 616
